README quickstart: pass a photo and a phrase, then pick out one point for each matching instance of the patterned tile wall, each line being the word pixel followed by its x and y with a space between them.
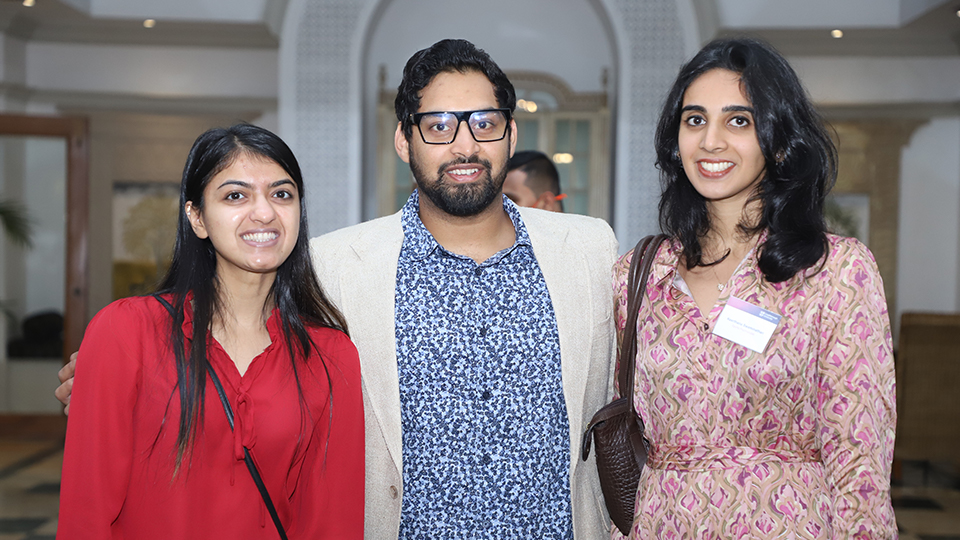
pixel 651 52
pixel 325 116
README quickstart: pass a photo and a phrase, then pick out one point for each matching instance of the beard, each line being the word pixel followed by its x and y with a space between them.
pixel 461 200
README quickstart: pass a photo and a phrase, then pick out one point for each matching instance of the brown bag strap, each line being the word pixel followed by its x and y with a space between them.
pixel 643 255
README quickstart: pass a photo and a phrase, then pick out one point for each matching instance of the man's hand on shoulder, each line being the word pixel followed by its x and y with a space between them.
pixel 65 375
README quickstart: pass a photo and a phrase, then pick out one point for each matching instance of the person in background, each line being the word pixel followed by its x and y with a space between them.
pixel 764 369
pixel 150 452
pixel 533 181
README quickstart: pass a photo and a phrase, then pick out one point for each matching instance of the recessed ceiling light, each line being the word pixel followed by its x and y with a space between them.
pixel 29 3
pixel 149 23
pixel 836 33
pixel 958 13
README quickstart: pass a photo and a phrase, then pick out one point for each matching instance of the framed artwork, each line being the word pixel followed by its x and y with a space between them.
pixel 144 231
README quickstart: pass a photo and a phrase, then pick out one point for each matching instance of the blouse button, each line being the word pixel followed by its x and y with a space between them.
pixel 393 492
pixel 706 327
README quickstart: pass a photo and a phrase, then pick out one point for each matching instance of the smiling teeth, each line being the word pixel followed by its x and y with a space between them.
pixel 716 167
pixel 259 237
pixel 464 172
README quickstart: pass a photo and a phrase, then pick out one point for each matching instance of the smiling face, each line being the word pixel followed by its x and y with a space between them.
pixel 251 214
pixel 462 178
pixel 718 140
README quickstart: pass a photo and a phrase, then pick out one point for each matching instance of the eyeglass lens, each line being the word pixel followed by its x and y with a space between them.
pixel 485 126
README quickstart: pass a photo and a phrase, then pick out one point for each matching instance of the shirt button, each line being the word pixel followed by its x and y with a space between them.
pixel 483 332
pixel 394 493
pixel 478 271
pixel 486 460
pixel 486 394
pixel 706 327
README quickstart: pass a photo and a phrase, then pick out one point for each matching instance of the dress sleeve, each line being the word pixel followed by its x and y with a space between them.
pixel 99 445
pixel 856 394
pixel 332 499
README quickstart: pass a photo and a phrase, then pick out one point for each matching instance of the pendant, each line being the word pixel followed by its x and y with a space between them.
pixel 720 287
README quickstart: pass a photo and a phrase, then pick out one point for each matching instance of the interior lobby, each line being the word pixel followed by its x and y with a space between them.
pixel 100 101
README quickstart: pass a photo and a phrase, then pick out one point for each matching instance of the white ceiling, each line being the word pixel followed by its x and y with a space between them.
pixel 796 27
pixel 245 11
pixel 752 14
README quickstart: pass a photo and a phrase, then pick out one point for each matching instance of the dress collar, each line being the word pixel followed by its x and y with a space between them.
pixel 666 265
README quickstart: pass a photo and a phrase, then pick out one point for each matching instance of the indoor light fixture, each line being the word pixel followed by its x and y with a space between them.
pixel 562 157
pixel 527 105
pixel 837 33
pixel 29 3
pixel 149 23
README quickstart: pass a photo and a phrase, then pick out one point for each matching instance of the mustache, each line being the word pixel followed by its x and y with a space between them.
pixel 475 160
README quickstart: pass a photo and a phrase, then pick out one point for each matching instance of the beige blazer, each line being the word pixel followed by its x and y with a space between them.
pixel 357 267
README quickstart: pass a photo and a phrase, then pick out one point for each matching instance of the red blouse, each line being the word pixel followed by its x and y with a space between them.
pixel 118 466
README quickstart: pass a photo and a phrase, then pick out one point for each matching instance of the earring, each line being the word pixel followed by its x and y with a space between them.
pixel 781 156
pixel 676 154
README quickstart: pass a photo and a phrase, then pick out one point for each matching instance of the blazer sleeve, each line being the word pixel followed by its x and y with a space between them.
pixel 99 445
pixel 856 394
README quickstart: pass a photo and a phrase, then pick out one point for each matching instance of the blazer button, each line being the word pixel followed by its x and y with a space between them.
pixel 394 493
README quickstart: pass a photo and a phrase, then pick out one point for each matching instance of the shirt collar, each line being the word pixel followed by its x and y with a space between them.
pixel 418 243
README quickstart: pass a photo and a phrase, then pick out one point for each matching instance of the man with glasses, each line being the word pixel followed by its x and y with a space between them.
pixel 485 331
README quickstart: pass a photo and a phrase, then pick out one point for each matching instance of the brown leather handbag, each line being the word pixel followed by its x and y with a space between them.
pixel 616 428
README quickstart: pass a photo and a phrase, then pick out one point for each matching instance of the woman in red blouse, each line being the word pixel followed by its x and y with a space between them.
pixel 149 451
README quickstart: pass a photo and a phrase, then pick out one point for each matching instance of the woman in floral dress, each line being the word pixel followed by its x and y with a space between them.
pixel 765 371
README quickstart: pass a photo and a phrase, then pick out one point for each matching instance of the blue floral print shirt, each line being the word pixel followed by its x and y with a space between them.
pixel 485 433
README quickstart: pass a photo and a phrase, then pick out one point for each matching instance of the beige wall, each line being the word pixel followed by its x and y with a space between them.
pixel 132 147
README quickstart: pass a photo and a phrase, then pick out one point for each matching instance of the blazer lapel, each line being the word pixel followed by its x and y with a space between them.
pixel 370 309
pixel 566 274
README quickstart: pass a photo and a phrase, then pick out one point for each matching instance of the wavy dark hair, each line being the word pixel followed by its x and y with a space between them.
pixel 295 292
pixel 447 55
pixel 801 160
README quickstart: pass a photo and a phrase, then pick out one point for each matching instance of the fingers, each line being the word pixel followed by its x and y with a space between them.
pixel 66 372
pixel 62 393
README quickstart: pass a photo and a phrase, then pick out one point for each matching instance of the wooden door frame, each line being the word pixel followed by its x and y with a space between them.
pixel 76 132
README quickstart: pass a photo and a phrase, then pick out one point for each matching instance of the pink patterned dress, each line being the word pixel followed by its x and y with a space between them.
pixel 796 442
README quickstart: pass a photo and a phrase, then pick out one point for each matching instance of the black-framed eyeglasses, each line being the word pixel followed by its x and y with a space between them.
pixel 486 125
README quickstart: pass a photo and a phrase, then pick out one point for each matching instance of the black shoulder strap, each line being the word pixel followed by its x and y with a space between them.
pixel 247 458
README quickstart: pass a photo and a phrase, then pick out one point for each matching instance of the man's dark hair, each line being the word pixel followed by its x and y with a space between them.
pixel 448 55
pixel 541 173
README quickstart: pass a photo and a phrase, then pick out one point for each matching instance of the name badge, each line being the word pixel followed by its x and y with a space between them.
pixel 746 324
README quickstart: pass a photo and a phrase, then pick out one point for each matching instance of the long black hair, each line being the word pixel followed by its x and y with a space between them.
pixel 296 293
pixel 801 160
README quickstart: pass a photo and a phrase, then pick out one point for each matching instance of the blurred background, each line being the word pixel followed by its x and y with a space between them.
pixel 100 101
